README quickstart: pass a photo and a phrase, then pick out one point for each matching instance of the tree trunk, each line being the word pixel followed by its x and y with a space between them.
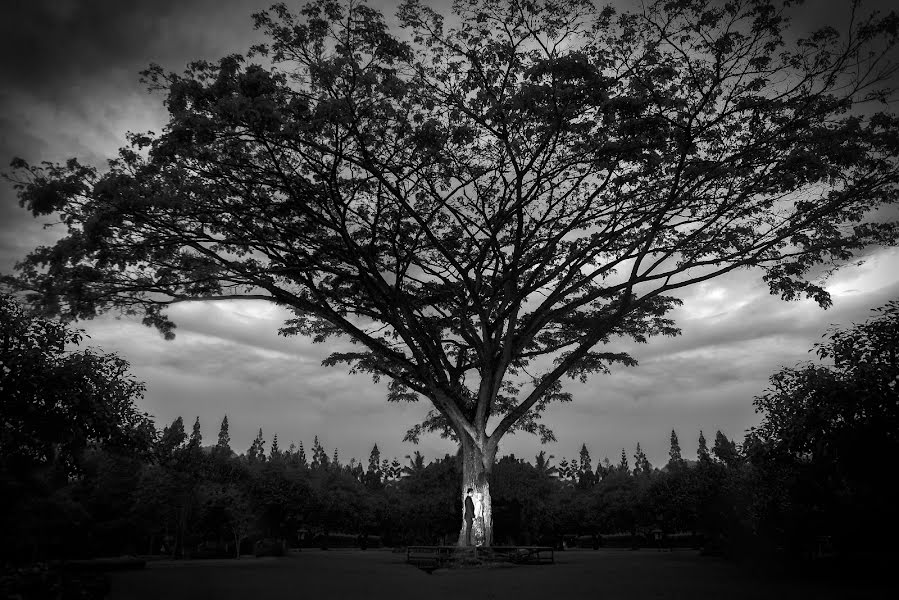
pixel 237 539
pixel 476 469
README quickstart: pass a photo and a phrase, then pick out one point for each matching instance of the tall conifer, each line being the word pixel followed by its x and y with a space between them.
pixel 674 453
pixel 257 449
pixel 641 463
pixel 301 456
pixel 224 441
pixel 274 452
pixel 703 452
pixel 623 465
pixel 196 438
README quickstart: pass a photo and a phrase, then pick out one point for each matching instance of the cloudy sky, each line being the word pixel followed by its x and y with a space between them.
pixel 69 73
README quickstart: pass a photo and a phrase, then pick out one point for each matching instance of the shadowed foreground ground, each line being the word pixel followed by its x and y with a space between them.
pixel 374 574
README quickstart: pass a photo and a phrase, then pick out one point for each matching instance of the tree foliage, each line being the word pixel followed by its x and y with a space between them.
pixel 57 401
pixel 724 449
pixel 487 207
pixel 623 466
pixel 224 438
pixel 702 451
pixel 641 462
pixel 674 453
pixel 256 452
pixel 826 429
pixel 825 411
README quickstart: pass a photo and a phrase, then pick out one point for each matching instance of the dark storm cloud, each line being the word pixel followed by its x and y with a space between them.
pixel 51 47
pixel 814 14
pixel 70 80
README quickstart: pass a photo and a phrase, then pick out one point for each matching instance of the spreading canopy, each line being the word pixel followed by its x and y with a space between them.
pixel 485 207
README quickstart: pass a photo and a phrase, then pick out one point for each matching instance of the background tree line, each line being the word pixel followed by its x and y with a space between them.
pixel 83 473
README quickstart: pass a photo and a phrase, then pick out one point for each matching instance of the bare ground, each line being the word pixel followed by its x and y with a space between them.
pixel 375 574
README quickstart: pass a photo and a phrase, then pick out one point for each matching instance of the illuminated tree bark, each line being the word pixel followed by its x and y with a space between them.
pixel 477 465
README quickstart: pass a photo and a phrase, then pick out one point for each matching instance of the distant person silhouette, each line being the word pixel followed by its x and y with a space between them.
pixel 469 516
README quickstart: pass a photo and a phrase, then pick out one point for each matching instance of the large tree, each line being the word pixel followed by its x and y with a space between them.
pixel 485 204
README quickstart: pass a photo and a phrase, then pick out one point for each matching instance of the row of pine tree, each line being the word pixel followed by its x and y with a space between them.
pixel 577 469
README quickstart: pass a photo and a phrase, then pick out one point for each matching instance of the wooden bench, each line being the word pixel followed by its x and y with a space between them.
pixel 429 558
pixel 531 555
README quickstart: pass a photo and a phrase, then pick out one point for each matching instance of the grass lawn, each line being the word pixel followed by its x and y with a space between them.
pixel 375 574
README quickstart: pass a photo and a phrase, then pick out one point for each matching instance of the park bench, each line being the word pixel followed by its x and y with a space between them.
pixel 429 557
pixel 433 557
pixel 530 555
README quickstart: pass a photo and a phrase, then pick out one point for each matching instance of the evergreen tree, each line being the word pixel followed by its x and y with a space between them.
pixel 256 452
pixel 173 437
pixel 623 465
pixel 586 463
pixel 373 477
pixel 395 468
pixel 641 463
pixel 194 456
pixel 703 452
pixel 301 456
pixel 274 452
pixel 319 457
pixel 573 470
pixel 224 441
pixel 335 460
pixel 374 461
pixel 564 471
pixel 196 438
pixel 674 454
pixel 725 450
pixel 585 477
